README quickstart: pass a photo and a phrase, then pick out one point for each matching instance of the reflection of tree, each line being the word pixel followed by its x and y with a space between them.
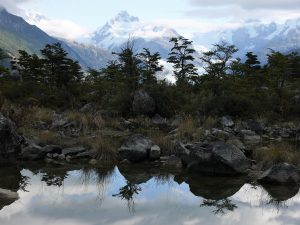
pixel 54 180
pixel 127 193
pixel 100 177
pixel 220 205
pixel 277 204
pixel 24 182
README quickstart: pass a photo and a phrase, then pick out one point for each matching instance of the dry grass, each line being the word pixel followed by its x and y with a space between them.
pixel 278 153
pixel 105 148
pixel 209 123
pixel 165 143
pixel 43 137
pixel 190 130
pixel 86 122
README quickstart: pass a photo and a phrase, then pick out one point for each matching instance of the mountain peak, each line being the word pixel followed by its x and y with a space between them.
pixel 124 17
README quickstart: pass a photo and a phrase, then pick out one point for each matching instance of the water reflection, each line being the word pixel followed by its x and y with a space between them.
pixel 127 193
pixel 221 206
pixel 139 194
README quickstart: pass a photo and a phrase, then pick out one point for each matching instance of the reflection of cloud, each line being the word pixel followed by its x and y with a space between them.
pixel 75 204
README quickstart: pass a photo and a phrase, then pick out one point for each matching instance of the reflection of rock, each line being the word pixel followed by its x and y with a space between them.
pixel 7 197
pixel 135 174
pixel 281 192
pixel 10 180
pixel 214 188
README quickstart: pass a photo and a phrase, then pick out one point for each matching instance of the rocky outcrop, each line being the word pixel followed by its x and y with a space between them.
pixel 137 148
pixel 143 103
pixel 217 158
pixel 10 144
pixel 283 173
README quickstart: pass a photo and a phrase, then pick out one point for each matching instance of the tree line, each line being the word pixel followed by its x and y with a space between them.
pixel 228 85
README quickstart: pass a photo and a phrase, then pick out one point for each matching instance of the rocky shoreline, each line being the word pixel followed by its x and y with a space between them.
pixel 225 150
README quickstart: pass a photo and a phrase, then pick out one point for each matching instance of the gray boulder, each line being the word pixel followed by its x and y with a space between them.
pixel 136 148
pixel 226 121
pixel 155 152
pixel 73 151
pixel 283 173
pixel 250 137
pixel 33 152
pixel 89 108
pixel 217 158
pixel 58 121
pixel 10 141
pixel 143 103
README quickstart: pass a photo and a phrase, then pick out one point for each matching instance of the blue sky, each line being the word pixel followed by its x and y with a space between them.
pixel 75 18
pixel 93 13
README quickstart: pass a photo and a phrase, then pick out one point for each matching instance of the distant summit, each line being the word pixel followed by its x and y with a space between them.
pixel 116 32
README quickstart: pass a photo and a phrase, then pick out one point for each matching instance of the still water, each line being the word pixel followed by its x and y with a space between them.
pixel 141 195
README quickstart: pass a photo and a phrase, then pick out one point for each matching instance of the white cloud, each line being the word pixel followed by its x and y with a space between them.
pixel 241 10
pixel 56 27
pixel 13 5
pixel 250 5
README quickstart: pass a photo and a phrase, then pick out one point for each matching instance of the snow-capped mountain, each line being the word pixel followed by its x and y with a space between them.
pixel 257 37
pixel 116 32
pixel 17 34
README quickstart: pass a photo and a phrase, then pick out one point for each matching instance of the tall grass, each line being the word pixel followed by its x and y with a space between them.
pixel 278 153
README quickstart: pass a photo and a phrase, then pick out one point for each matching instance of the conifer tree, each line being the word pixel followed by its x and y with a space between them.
pixel 182 57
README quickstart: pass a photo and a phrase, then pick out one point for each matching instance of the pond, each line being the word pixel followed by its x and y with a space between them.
pixel 138 195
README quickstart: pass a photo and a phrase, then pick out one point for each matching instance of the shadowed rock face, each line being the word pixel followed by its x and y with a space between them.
pixel 214 188
pixel 9 140
pixel 214 159
pixel 283 173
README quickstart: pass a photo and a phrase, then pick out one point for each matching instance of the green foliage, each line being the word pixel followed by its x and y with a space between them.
pixel 230 86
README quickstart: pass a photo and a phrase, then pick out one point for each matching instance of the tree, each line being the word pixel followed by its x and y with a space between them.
pixel 217 60
pixel 182 57
pixel 31 67
pixel 150 65
pixel 61 69
pixel 252 62
pixel 129 65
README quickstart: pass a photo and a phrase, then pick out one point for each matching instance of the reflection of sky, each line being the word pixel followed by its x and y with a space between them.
pixel 159 203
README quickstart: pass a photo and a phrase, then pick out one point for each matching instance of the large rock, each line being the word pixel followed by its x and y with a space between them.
pixel 143 103
pixel 250 137
pixel 226 121
pixel 73 151
pixel 217 158
pixel 33 152
pixel 88 108
pixel 283 173
pixel 136 148
pixel 10 141
pixel 155 152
